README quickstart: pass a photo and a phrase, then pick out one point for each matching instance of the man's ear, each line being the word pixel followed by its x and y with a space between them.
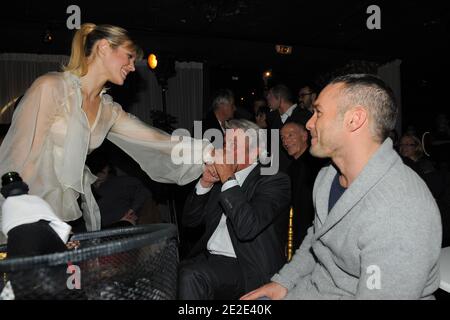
pixel 313 97
pixel 356 118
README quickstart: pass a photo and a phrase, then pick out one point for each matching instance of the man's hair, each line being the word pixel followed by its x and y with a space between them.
pixel 263 110
pixel 282 92
pixel 373 94
pixel 248 127
pixel 222 96
pixel 418 148
pixel 311 86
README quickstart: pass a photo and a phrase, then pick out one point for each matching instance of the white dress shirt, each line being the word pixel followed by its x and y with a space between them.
pixel 220 241
pixel 288 113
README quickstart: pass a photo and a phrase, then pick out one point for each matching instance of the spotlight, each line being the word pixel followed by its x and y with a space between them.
pixel 152 61
pixel 267 74
pixel 163 66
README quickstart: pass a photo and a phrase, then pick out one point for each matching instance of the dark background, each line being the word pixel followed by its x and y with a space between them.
pixel 235 38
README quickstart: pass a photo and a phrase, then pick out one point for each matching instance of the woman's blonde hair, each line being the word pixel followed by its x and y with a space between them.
pixel 85 38
pixel 418 148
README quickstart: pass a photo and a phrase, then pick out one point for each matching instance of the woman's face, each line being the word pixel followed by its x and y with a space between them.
pixel 408 147
pixel 261 120
pixel 119 62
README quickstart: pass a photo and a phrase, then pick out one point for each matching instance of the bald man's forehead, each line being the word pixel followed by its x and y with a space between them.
pixel 293 127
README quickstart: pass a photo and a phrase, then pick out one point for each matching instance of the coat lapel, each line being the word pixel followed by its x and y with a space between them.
pixel 322 195
pixel 372 173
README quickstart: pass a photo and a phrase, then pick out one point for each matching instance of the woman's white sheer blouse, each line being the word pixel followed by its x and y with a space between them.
pixel 50 137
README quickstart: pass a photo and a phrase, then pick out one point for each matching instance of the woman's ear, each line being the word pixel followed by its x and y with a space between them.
pixel 103 47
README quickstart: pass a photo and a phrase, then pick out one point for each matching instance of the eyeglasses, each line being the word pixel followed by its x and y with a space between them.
pixel 407 145
pixel 301 95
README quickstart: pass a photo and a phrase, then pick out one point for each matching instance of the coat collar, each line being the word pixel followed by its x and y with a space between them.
pixel 380 163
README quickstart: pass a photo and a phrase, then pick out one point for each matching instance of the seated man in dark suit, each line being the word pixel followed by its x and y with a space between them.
pixel 239 205
pixel 223 108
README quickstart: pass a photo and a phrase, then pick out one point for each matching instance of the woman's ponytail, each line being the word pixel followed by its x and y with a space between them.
pixel 78 57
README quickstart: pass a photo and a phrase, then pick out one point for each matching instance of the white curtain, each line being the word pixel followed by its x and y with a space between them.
pixel 184 97
pixel 185 94
pixel 390 73
pixel 17 72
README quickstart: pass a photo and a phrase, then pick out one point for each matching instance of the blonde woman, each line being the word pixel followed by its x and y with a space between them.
pixel 411 147
pixel 65 115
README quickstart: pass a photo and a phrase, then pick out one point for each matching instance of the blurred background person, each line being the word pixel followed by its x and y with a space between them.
pixel 410 147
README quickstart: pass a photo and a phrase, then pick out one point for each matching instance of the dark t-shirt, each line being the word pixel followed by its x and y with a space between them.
pixel 336 192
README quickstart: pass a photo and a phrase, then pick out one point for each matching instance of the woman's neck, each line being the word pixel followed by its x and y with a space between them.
pixel 92 84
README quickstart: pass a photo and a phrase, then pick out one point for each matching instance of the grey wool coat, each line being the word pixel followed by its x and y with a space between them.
pixel 381 240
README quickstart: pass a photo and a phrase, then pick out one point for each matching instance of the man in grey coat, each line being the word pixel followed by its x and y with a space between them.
pixel 377 229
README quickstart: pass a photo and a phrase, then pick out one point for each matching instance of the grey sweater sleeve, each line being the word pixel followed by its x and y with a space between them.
pixel 302 264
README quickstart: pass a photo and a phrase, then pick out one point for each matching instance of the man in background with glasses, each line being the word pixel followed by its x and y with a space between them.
pixel 306 97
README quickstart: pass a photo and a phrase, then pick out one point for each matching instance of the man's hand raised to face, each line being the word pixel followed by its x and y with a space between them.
pixel 224 170
pixel 209 177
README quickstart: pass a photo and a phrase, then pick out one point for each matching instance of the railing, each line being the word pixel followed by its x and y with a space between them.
pixel 133 263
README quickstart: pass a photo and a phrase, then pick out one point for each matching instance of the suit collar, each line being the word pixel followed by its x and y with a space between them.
pixel 242 175
pixel 289 111
pixel 251 175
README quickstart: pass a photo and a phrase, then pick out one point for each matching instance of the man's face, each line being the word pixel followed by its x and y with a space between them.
pixel 261 120
pixel 272 101
pixel 228 109
pixel 326 126
pixel 237 148
pixel 294 139
pixel 305 97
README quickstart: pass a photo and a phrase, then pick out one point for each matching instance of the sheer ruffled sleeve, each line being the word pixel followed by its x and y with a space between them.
pixel 22 147
pixel 165 158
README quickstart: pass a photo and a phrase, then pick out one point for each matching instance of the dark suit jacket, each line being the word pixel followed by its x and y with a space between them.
pixel 303 172
pixel 252 212
pixel 299 115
